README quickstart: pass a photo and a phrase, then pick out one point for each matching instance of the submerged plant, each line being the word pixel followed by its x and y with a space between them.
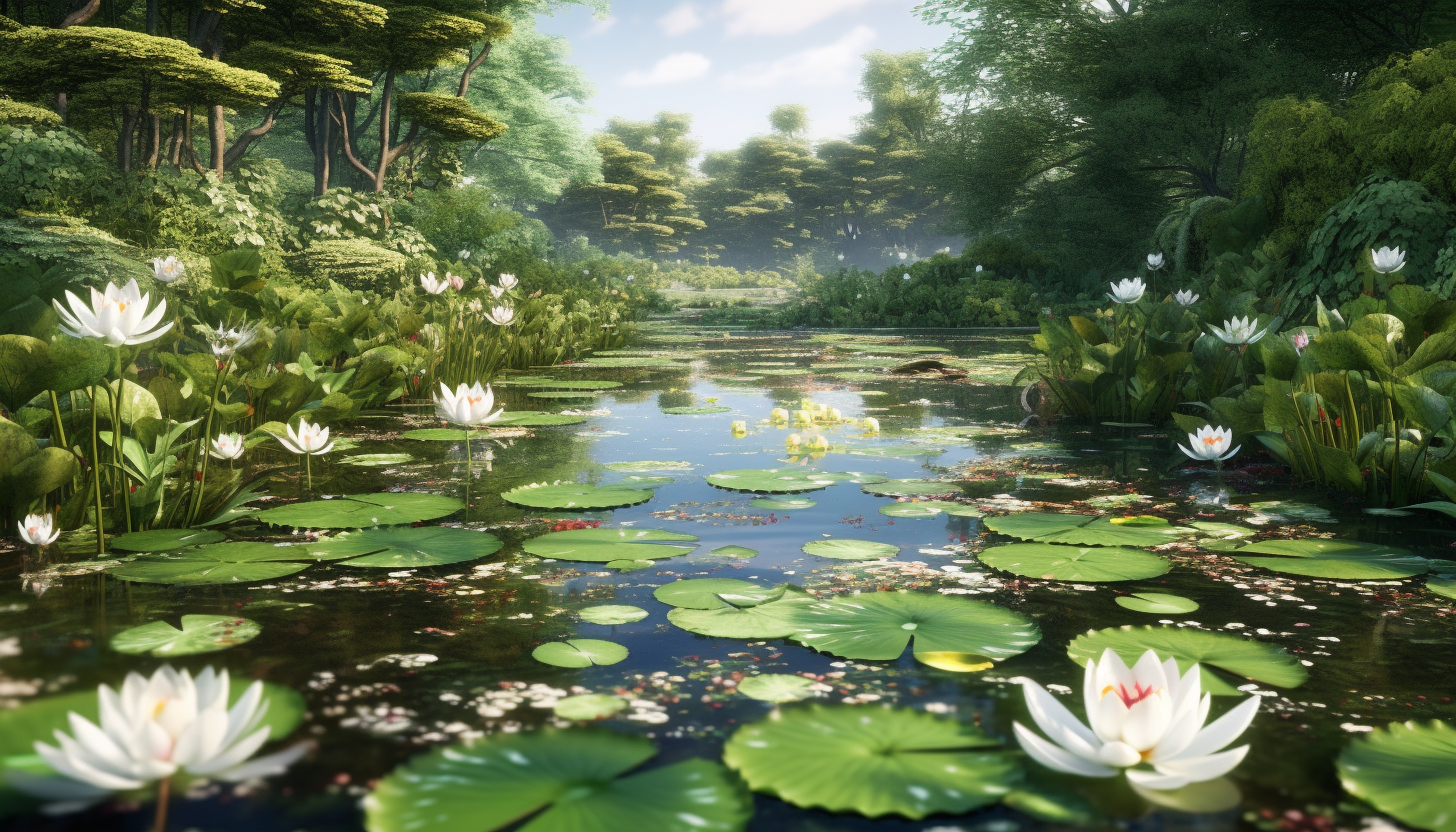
pixel 1144 716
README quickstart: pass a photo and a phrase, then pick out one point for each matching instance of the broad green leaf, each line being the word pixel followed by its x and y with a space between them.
pixel 782 505
pixel 1050 562
pixel 1233 654
pixel 929 508
pixel 1157 603
pixel 611 614
pixel 1443 585
pixel 406 547
pixel 588 707
pixel 164 540
pixel 1408 771
pixel 910 488
pixel 199 634
pixel 695 411
pixel 840 549
pixel 640 466
pixel 717 593
pixel 777 687
pixel 361 511
pixel 771 480
pixel 570 495
pixel 377 460
pixel 1086 530
pixel 735 552
pixel 880 625
pixel 609 545
pixel 579 652
pixel 1335 559
pixel 872 762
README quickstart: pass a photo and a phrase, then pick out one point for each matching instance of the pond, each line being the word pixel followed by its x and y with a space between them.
pixel 393 659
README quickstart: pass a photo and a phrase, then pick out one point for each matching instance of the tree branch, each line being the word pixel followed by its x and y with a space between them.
pixel 344 134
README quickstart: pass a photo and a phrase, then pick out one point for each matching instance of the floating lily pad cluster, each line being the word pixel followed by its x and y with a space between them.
pixel 578 496
pixel 1081 548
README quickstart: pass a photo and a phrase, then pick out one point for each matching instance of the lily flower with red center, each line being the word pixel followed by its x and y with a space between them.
pixel 1146 720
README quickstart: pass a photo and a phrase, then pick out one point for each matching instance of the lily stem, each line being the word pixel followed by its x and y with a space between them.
pixel 164 794
pixel 96 478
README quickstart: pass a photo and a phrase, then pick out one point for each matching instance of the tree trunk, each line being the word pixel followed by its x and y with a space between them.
pixel 386 102
pixel 81 15
pixel 239 147
pixel 217 137
pixel 124 138
pixel 471 67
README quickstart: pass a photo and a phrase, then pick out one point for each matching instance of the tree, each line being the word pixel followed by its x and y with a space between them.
pixel 789 120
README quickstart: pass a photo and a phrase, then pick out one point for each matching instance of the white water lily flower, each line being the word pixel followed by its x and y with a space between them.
pixel 456 281
pixel 475 306
pixel 793 441
pixel 1146 714
pixel 496 291
pixel 225 342
pixel 153 729
pixel 1387 260
pixel 309 439
pixel 907 276
pixel 39 530
pixel 117 315
pixel 872 425
pixel 1210 443
pixel 1127 291
pixel 1239 331
pixel 227 446
pixel 1155 261
pixel 739 427
pixel 508 281
pixel 433 286
pixel 464 254
pixel 501 316
pixel 779 414
pixel 467 405
pixel 1185 297
pixel 168 269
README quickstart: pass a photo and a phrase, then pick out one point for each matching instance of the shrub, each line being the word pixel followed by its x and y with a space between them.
pixel 47 171
pixel 355 264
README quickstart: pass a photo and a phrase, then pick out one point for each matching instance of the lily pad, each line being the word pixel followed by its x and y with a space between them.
pixel 872 761
pixel 695 411
pixel 588 707
pixel 910 488
pixel 609 545
pixel 611 614
pixel 222 563
pixel 629 565
pixel 735 552
pixel 637 467
pixel 929 508
pixel 1407 771
pixel 563 781
pixel 1335 559
pixel 377 460
pixel 199 634
pixel 164 540
pixel 771 480
pixel 1086 530
pixel 576 496
pixel 568 384
pixel 1242 657
pixel 579 652
pixel 716 593
pixel 361 511
pixel 1444 585
pixel 436 435
pixel 536 419
pixel 407 547
pixel 777 687
pixel 841 549
pixel 1050 562
pixel 1157 603
pixel 782 505
pixel 880 625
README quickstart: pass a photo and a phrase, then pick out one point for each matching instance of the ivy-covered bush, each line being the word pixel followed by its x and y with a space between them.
pixel 1381 212
pixel 467 218
pixel 181 211
pixel 87 255
pixel 47 171
pixel 355 264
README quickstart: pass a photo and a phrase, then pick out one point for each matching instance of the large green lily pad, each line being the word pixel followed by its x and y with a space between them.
pixel 640 466
pixel 843 549
pixel 165 540
pixel 361 511
pixel 579 652
pixel 872 761
pixel 880 625
pixel 610 614
pixel 536 419
pixel 772 480
pixel 223 563
pixel 407 547
pixel 576 496
pixel 609 545
pixel 377 460
pixel 910 488
pixel 1157 603
pixel 1347 560
pixel 1407 771
pixel 716 593
pixel 199 634
pixel 922 509
pixel 702 410
pixel 1050 562
pixel 588 707
pixel 777 687
pixel 782 505
pixel 556 781
pixel 1242 657
pixel 1086 530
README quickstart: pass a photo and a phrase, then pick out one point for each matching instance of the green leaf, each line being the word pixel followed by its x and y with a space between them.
pixel 588 707
pixel 25 370
pixel 911 488
pixel 841 549
pixel 579 652
pixel 880 625
pixel 376 460
pixel 872 762
pixel 1240 656
pixel 1087 530
pixel 563 781
pixel 1345 350
pixel 199 634
pixel 640 466
pixel 1335 559
pixel 695 411
pixel 1443 585
pixel 527 419
pixel 611 614
pixel 717 593
pixel 436 435
pixel 1157 603
pixel 361 511
pixel 1424 406
pixel 1047 561
pixel 777 687
pixel 771 480
pixel 164 540
pixel 1407 771
pixel 782 505
pixel 735 552
pixel 572 495
pixel 608 545
pixel 760 621
pixel 406 547
pixel 929 508
pixel 629 565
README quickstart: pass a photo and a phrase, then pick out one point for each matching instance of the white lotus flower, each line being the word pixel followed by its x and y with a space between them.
pixel 508 281
pixel 1144 715
pixel 907 276
pixel 39 530
pixel 980 268
pixel 464 254
pixel 1239 331
pixel 779 414
pixel 475 306
pixel 168 269
pixel 153 729
pixel 501 316
pixel 117 315
pixel 456 281
pixel 467 405
pixel 309 439
pixel 1185 297
pixel 1155 261
pixel 793 441
pixel 1387 260
pixel 1127 291
pixel 496 291
pixel 225 342
pixel 433 286
pixel 227 446
pixel 1210 443
pixel 872 425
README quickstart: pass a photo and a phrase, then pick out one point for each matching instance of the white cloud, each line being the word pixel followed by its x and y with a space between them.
pixel 782 17
pixel 600 26
pixel 673 69
pixel 834 63
pixel 681 20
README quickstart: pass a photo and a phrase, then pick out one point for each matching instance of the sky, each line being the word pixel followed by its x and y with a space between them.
pixel 729 62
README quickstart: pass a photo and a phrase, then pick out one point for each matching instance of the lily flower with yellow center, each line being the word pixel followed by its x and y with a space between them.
pixel 467 405
pixel 118 316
